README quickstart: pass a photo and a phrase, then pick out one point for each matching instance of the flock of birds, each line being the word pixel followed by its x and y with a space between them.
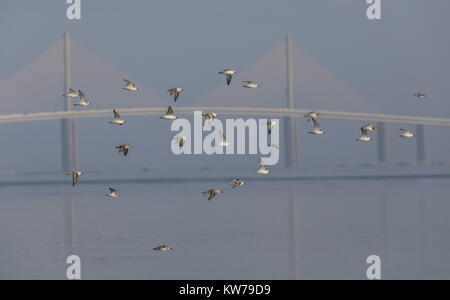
pixel 209 117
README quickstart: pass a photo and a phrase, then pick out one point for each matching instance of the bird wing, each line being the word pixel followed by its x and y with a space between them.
pixel 229 78
pixel 112 190
pixel 125 151
pixel 116 114
pixel 128 81
pixel 177 94
pixel 75 178
pixel 169 110
pixel 316 124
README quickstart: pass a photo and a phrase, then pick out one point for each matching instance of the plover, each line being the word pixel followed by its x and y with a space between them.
pixel 237 183
pixel 180 140
pixel 130 86
pixel 113 193
pixel 223 140
pixel 211 194
pixel 209 117
pixel 270 124
pixel 250 84
pixel 420 95
pixel 316 130
pixel 163 248
pixel 117 120
pixel 83 100
pixel 312 115
pixel 229 74
pixel 406 133
pixel 75 176
pixel 175 92
pixel 124 149
pixel 71 94
pixel 370 127
pixel 364 136
pixel 169 114
pixel 262 169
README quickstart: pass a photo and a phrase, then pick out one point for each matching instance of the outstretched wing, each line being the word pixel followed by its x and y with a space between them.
pixel 169 111
pixel 316 124
pixel 116 114
pixel 177 94
pixel 75 178
pixel 128 81
pixel 229 78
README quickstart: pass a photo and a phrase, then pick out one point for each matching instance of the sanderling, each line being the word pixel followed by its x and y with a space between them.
pixel 209 117
pixel 130 86
pixel 169 114
pixel 250 84
pixel 229 74
pixel 163 248
pixel 370 127
pixel 237 183
pixel 112 193
pixel 175 92
pixel 406 133
pixel 211 194
pixel 364 135
pixel 313 115
pixel 117 120
pixel 124 149
pixel 83 100
pixel 71 94
pixel 75 176
pixel 270 124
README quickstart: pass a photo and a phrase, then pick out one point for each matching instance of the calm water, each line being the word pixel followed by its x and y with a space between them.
pixel 304 229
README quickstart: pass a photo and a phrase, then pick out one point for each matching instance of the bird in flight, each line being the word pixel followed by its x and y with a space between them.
pixel 211 194
pixel 364 136
pixel 209 117
pixel 124 149
pixel 312 115
pixel 75 176
pixel 71 93
pixel 263 170
pixel 316 130
pixel 250 85
pixel 270 124
pixel 130 86
pixel 406 133
pixel 113 193
pixel 420 95
pixel 175 92
pixel 229 74
pixel 163 248
pixel 169 114
pixel 83 100
pixel 237 183
pixel 117 120
pixel 180 140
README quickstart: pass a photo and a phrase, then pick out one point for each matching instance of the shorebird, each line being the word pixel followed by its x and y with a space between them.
pixel 316 130
pixel 71 94
pixel 406 133
pixel 223 140
pixel 237 183
pixel 117 120
pixel 229 74
pixel 169 114
pixel 420 95
pixel 130 86
pixel 180 140
pixel 211 194
pixel 370 127
pixel 209 117
pixel 124 149
pixel 112 193
pixel 163 248
pixel 75 176
pixel 250 84
pixel 175 92
pixel 83 100
pixel 364 136
pixel 270 124
pixel 262 169
pixel 313 115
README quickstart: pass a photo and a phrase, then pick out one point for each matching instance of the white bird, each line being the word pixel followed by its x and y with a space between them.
pixel 83 100
pixel 262 169
pixel 211 194
pixel 175 92
pixel 223 140
pixel 209 117
pixel 250 85
pixel 117 120
pixel 113 193
pixel 316 130
pixel 229 74
pixel 169 114
pixel 124 149
pixel 75 176
pixel 364 136
pixel 163 248
pixel 313 115
pixel 180 140
pixel 237 183
pixel 406 133
pixel 71 93
pixel 270 124
pixel 130 86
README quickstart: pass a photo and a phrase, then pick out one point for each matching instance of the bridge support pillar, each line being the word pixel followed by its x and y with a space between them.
pixel 68 134
pixel 382 143
pixel 421 146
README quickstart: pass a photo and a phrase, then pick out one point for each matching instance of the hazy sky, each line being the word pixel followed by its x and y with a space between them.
pixel 165 43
